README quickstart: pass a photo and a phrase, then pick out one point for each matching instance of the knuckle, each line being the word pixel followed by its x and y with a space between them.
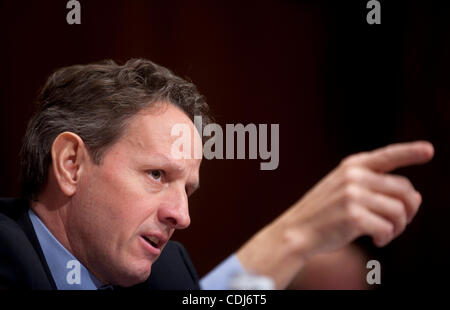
pixel 354 216
pixel 351 193
pixel 350 160
pixel 387 233
pixel 411 211
pixel 351 175
pixel 400 217
pixel 417 198
pixel 390 150
pixel 405 184
pixel 398 209
pixel 402 221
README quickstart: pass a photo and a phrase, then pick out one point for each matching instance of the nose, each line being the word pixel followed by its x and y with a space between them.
pixel 175 211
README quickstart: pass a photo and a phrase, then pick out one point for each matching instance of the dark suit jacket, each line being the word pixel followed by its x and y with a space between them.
pixel 23 265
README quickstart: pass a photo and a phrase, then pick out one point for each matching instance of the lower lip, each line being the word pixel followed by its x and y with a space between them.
pixel 150 248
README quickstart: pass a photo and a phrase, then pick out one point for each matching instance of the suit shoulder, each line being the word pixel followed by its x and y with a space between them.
pixel 20 266
pixel 173 270
pixel 9 231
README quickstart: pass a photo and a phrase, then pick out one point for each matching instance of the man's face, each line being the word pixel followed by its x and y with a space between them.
pixel 126 208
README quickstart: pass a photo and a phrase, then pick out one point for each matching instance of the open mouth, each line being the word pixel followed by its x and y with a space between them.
pixel 154 242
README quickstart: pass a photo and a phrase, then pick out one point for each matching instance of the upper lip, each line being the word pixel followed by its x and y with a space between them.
pixel 161 238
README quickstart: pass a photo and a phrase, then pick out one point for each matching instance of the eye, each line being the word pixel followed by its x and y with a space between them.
pixel 156 175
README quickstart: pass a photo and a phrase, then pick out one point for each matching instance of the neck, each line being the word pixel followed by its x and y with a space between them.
pixel 52 211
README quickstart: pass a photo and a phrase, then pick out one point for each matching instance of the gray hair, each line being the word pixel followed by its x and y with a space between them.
pixel 95 101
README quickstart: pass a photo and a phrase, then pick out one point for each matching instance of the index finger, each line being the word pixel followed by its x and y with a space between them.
pixel 395 156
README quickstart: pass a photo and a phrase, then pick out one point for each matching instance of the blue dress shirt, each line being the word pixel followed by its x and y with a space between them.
pixel 70 274
pixel 219 278
pixel 62 264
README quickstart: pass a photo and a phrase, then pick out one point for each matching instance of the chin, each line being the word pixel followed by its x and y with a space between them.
pixel 138 273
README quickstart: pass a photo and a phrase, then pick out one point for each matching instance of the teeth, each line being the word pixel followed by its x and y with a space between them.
pixel 153 240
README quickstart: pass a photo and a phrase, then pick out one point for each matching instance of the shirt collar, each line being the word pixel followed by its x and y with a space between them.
pixel 67 271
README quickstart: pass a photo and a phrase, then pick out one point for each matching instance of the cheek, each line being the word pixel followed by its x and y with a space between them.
pixel 119 202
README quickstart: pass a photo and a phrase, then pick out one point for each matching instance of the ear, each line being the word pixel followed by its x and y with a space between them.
pixel 68 159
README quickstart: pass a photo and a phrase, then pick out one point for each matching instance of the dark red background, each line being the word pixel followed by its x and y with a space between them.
pixel 335 84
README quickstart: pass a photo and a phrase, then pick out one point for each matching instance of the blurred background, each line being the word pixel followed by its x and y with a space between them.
pixel 335 84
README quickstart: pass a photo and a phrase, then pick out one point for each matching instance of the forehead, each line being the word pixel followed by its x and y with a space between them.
pixel 149 132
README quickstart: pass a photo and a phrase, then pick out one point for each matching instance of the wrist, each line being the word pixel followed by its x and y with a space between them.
pixel 297 243
pixel 277 251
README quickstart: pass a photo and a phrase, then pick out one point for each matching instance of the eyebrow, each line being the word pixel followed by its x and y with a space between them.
pixel 167 161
